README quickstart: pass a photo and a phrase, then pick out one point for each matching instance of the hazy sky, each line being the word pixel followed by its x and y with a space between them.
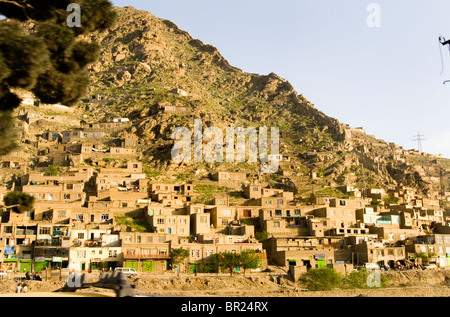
pixel 385 78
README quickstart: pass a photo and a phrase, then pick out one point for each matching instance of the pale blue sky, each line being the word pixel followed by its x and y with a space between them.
pixel 385 79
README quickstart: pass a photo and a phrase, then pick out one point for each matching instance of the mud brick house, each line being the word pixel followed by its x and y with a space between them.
pixel 146 252
pixel 385 254
pixel 307 251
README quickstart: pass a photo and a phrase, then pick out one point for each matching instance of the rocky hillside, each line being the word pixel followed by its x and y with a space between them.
pixel 145 59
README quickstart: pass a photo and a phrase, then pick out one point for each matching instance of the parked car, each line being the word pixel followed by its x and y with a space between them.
pixel 372 266
pixel 129 272
pixel 3 274
pixel 430 267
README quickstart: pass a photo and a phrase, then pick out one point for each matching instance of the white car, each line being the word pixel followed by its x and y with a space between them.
pixel 430 267
pixel 372 266
pixel 128 272
pixel 3 274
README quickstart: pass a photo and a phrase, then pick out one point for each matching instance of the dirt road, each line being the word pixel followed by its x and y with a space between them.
pixel 400 284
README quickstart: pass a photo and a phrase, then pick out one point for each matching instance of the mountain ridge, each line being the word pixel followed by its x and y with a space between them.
pixel 145 59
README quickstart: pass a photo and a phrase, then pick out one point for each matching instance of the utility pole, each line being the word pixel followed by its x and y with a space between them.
pixel 419 138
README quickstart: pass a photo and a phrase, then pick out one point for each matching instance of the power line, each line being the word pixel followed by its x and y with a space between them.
pixel 419 138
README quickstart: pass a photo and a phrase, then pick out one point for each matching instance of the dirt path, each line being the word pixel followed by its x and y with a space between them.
pixel 401 284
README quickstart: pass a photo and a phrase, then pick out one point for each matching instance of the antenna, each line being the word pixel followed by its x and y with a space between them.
pixel 419 138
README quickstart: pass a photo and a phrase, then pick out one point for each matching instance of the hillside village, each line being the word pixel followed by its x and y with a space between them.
pixel 89 217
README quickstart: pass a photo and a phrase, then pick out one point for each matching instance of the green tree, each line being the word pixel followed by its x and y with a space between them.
pixel 178 256
pixel 262 236
pixel 7 132
pixel 52 170
pixel 226 261
pixel 391 199
pixel 19 201
pixel 249 259
pixel 355 280
pixel 217 261
pixel 40 53
pixel 322 279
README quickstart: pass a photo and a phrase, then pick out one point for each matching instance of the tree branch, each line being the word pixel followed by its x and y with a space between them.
pixel 17 6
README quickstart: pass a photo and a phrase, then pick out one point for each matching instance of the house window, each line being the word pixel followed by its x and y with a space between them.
pixel 195 253
pixel 277 212
pixel 255 188
pixel 124 205
pixel 145 252
pixel 79 217
pixel 342 202
pixel 208 253
pixel 226 213
pixel 66 196
pixel 276 224
pixel 81 235
pixel 280 201
pixel 297 212
pixel 61 213
pixel 131 252
pixel 104 217
pixel 44 230
pixel 160 221
pixel 149 239
pixel 268 202
pixel 112 253
pixel 127 238
pixel 171 221
pixel 183 221
pixel 138 239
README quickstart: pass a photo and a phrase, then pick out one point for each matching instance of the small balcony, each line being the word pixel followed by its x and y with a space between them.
pixel 48 243
pixel 87 243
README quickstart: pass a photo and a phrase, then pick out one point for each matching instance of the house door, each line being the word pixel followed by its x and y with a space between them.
pixel 170 230
pixel 307 263
pixel 132 264
pixel 148 266
pixel 247 213
pixel 83 266
pixel 320 263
